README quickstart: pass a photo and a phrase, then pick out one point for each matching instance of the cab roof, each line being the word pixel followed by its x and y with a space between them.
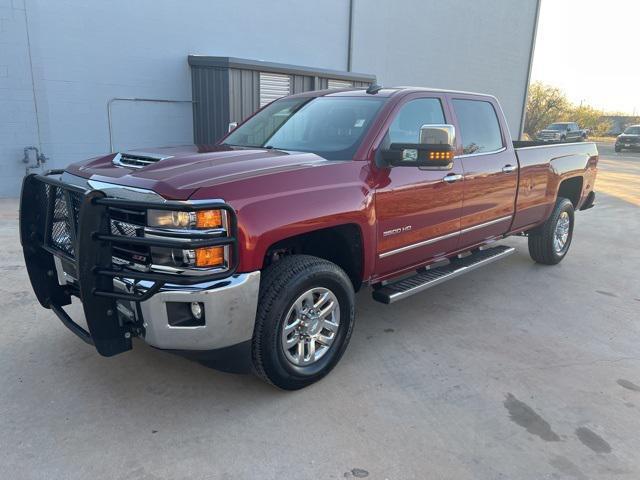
pixel 383 92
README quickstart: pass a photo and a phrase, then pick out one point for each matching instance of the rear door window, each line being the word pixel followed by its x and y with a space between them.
pixel 479 126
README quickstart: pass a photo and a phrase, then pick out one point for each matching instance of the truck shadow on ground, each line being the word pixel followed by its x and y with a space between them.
pixel 163 381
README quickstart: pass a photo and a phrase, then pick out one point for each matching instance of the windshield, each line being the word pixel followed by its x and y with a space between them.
pixel 557 126
pixel 331 127
pixel 635 130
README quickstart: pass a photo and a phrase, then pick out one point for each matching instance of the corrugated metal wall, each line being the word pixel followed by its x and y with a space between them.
pixel 244 94
pixel 211 108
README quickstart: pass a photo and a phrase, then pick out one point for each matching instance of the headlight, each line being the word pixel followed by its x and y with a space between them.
pixel 201 219
pixel 170 221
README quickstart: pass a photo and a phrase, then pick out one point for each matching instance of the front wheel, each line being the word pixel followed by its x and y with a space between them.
pixel 304 321
pixel 549 243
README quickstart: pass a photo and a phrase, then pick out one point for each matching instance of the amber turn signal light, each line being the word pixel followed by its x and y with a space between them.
pixel 440 155
pixel 209 219
pixel 210 257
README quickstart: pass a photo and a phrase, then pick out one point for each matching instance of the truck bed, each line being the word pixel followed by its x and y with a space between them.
pixel 543 166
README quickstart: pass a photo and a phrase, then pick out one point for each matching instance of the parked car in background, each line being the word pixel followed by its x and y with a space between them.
pixel 252 249
pixel 562 132
pixel 629 139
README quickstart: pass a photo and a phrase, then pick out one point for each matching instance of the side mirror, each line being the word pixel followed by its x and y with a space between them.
pixel 435 150
pixel 232 126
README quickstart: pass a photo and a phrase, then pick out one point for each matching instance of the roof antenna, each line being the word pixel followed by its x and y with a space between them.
pixel 374 88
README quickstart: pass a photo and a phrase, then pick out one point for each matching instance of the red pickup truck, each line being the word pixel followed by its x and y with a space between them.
pixel 247 253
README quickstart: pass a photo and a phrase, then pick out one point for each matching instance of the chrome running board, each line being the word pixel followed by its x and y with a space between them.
pixel 406 287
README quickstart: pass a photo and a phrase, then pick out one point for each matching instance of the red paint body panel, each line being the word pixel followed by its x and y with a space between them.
pixel 289 203
pixel 542 169
pixel 278 194
pixel 489 193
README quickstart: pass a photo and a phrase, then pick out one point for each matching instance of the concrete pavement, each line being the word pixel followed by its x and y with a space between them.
pixel 515 371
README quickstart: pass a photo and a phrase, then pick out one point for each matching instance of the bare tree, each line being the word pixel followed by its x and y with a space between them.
pixel 545 105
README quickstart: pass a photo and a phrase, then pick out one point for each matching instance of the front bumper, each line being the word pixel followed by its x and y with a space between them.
pixel 229 313
pixel 68 240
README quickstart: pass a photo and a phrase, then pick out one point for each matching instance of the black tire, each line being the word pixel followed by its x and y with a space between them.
pixel 281 284
pixel 541 239
pixel 617 149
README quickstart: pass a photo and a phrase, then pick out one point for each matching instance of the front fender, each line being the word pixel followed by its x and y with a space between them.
pixel 276 207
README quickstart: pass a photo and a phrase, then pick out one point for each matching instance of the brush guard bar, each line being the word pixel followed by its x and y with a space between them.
pixel 90 253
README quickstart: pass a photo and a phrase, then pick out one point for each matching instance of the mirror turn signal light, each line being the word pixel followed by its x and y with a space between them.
pixel 210 257
pixel 440 155
pixel 209 219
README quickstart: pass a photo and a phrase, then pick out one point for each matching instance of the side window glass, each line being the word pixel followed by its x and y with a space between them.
pixel 413 115
pixel 479 126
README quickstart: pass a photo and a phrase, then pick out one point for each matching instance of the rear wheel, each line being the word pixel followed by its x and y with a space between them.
pixel 549 243
pixel 304 321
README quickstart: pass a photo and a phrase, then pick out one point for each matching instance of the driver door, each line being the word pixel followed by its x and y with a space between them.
pixel 418 209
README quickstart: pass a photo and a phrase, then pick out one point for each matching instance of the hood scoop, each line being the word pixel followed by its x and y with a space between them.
pixel 137 159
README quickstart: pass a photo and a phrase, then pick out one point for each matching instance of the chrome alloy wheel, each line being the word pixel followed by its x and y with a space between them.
pixel 561 233
pixel 310 326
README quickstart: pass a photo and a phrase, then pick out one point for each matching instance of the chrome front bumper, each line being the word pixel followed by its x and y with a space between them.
pixel 229 305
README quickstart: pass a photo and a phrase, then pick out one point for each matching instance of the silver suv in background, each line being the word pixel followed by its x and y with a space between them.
pixel 562 132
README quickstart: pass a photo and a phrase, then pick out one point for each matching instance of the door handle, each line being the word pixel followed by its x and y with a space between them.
pixel 509 168
pixel 452 177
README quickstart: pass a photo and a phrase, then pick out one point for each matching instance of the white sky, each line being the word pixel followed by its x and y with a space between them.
pixel 591 50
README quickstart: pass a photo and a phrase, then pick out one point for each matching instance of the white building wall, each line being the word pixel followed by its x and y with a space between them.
pixel 18 127
pixel 476 45
pixel 86 52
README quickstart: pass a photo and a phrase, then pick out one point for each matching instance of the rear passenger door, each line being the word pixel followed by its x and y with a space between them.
pixel 490 170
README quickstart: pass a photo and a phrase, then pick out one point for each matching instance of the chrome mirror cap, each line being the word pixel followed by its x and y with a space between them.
pixel 438 134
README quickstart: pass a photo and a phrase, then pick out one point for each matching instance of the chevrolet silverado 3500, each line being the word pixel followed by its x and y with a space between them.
pixel 250 251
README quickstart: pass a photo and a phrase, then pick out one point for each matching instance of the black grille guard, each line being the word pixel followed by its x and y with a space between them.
pixel 92 240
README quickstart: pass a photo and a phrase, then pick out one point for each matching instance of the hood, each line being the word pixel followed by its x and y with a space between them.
pixel 177 172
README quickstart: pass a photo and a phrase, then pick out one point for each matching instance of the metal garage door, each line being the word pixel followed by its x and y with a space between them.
pixel 273 86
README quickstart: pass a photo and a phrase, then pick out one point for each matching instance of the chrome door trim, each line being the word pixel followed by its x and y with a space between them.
pixel 443 237
pixel 419 244
pixel 493 152
pixel 486 224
